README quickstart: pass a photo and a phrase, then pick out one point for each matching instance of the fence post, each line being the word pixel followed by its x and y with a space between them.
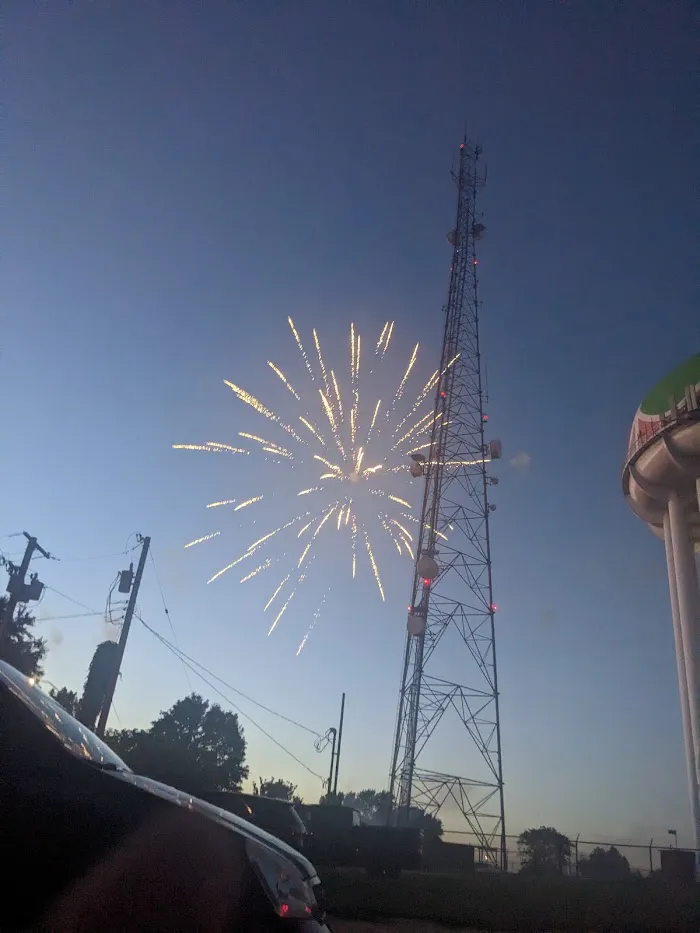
pixel 578 836
pixel 651 862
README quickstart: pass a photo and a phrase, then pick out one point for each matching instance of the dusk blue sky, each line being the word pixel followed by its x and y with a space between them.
pixel 180 176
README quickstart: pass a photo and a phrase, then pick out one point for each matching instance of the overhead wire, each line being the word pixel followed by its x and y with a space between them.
pixel 70 599
pixel 228 700
pixel 167 613
pixel 78 615
pixel 267 709
pixel 79 560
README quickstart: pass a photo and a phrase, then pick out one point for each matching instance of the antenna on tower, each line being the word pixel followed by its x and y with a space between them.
pixel 451 630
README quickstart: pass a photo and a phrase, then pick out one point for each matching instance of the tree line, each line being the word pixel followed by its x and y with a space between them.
pixel 546 851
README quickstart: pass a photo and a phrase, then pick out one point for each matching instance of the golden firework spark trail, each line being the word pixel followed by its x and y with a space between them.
pixel 211 448
pixel 215 505
pixel 413 518
pixel 306 492
pixel 284 379
pixel 374 420
pixel 330 476
pixel 254 573
pixel 415 450
pixel 301 348
pixel 356 393
pixel 337 395
pixel 331 466
pixel 314 620
pixel 271 534
pixel 430 384
pixel 381 338
pixel 328 408
pixel 304 553
pixel 354 545
pixel 214 534
pixel 405 531
pixel 263 410
pixel 388 339
pixel 233 563
pixel 247 502
pixel 456 462
pixel 352 353
pixel 391 534
pixel 427 388
pixel 305 528
pixel 255 437
pixel 402 384
pixel 324 520
pixel 420 427
pixel 314 430
pixel 322 365
pixel 300 580
pixel 280 452
pixel 373 562
pixel 281 612
pixel 414 428
pixel 369 471
pixel 387 495
pixel 340 516
pixel 358 461
pixel 272 598
pixel 347 514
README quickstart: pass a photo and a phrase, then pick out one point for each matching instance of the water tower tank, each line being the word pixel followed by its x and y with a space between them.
pixel 661 482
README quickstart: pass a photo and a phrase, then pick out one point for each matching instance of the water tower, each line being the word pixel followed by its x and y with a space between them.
pixel 661 482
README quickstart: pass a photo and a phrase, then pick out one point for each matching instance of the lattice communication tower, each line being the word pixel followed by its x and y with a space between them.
pixel 448 702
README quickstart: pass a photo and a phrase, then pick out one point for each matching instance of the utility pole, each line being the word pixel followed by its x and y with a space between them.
pixel 340 742
pixel 21 592
pixel 334 732
pixel 131 606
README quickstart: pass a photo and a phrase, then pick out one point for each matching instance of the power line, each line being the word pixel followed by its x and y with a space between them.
pixel 79 560
pixel 78 615
pixel 228 700
pixel 245 696
pixel 70 599
pixel 167 614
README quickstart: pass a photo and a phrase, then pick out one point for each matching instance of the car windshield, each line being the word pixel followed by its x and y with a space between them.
pixel 74 736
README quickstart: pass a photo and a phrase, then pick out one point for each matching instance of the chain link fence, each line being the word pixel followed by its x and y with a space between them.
pixel 643 857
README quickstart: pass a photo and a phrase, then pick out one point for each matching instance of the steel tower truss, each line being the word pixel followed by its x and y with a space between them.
pixel 449 687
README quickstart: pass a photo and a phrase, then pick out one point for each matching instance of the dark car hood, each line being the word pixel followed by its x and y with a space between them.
pixel 234 823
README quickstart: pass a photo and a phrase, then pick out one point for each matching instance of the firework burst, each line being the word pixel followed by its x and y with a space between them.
pixel 349 452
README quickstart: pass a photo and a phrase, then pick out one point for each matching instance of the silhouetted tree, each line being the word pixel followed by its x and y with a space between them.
pixel 604 865
pixel 332 799
pixel 19 646
pixel 97 682
pixel 431 825
pixel 276 787
pixel 193 746
pixel 544 851
pixel 68 699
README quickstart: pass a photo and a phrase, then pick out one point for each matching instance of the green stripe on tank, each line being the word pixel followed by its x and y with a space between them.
pixel 675 384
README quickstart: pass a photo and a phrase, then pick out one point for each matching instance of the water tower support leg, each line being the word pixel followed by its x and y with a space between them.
pixel 693 787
